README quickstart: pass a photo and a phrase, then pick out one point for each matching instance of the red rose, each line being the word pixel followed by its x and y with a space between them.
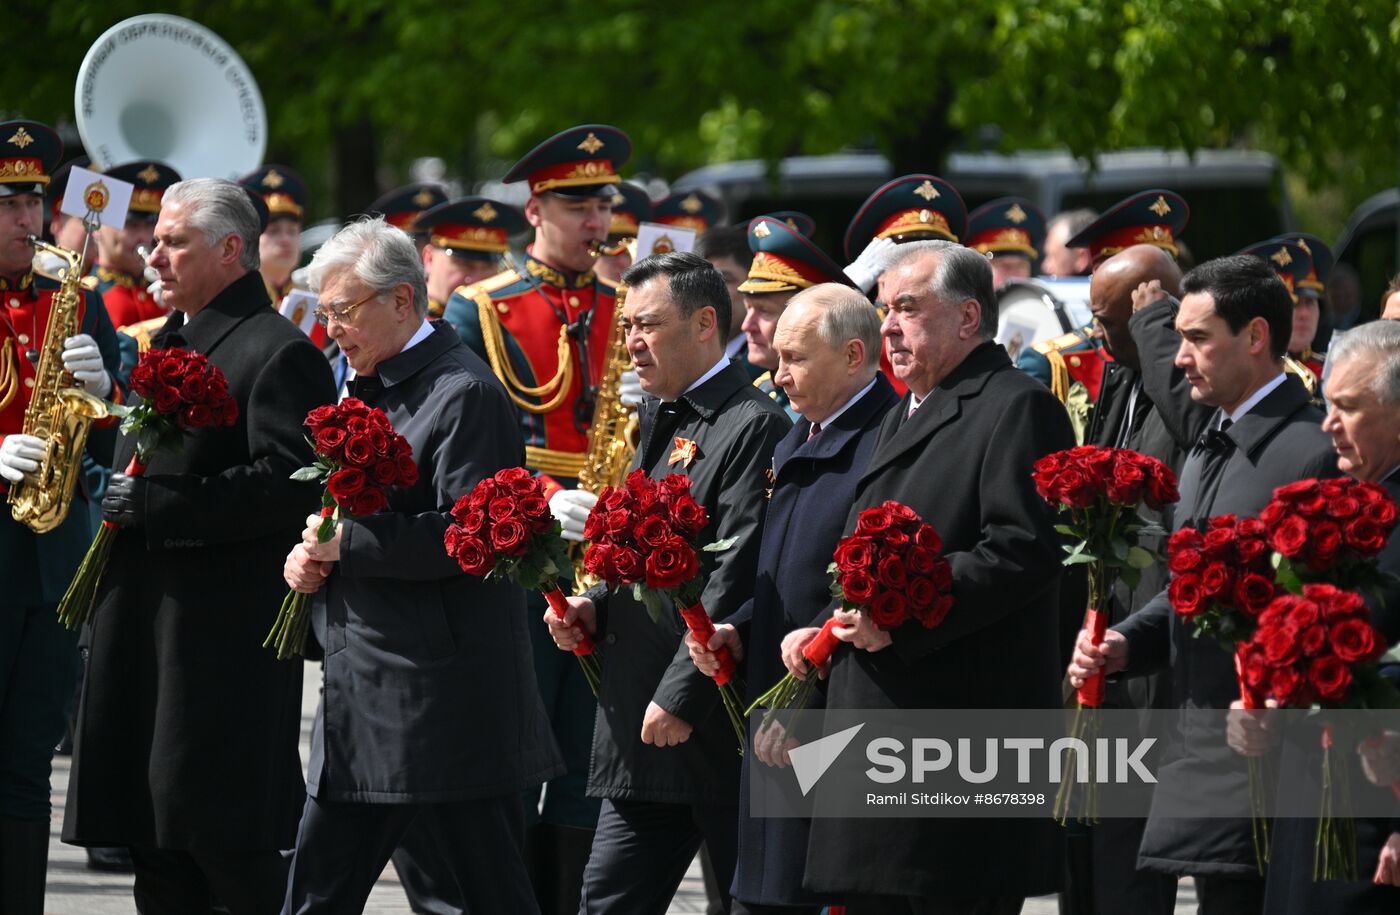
pixel 1364 536
pixel 1355 640
pixel 474 557
pixel 648 501
pixel 901 513
pixel 1344 507
pixel 1216 580
pixel 1313 639
pixel 894 539
pixel 689 515
pixel 379 441
pixel 653 532
pixel 1286 685
pixel 329 441
pixel 921 561
pixel 1281 646
pixel 1253 593
pixel 356 425
pixel 1383 513
pixel 890 572
pixel 1185 559
pixel 358 452
pixel 500 508
pixel 511 537
pixel 1254 666
pixel 167 400
pixel 629 564
pixel 346 483
pixel 1290 536
pixel 926 538
pixel 889 609
pixel 194 387
pixel 921 594
pixel 1326 544
pixel 873 521
pixel 1251 550
pixel 855 552
pixel 671 565
pixel 594 528
pixel 597 561
pixel 170 372
pixel 1221 521
pixel 1219 543
pixel 368 501
pixel 385 471
pixel 318 417
pixel 1127 484
pixel 1335 603
pixel 481 495
pixel 937 611
pixel 1077 488
pixel 1161 487
pixel 1304 613
pixel 617 523
pixel 1251 527
pixel 673 484
pixel 942 575
pixel 1297 491
pixel 408 470
pixel 196 416
pixel 1186 596
pixel 1330 679
pixel 474 522
pixel 512 473
pixel 536 511
pixel 857 587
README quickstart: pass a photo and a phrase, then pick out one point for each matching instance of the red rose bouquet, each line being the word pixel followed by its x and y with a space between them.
pixel 643 534
pixel 1319 650
pixel 179 392
pixel 1100 491
pixel 891 569
pixel 503 529
pixel 359 457
pixel 1329 531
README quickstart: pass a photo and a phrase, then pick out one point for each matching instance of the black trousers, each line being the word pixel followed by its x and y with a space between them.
pixel 935 905
pixel 426 878
pixel 1218 895
pixel 642 849
pixel 188 882
pixel 342 849
pixel 758 908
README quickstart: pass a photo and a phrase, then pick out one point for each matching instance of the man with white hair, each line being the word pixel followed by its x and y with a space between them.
pixel 407 637
pixel 186 735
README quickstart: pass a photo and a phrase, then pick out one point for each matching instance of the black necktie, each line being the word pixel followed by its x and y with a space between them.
pixel 667 421
pixel 1213 450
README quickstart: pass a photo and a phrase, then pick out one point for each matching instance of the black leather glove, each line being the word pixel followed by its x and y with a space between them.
pixel 125 502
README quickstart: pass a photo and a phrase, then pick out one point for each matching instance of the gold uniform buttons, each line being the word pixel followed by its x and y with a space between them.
pixel 23 339
pixel 29 382
pixel 503 308
pixel 573 301
pixel 1075 361
pixel 14 303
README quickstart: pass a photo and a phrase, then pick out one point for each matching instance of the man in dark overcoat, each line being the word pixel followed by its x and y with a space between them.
pixel 429 711
pixel 958 450
pixel 186 736
pixel 1234 321
pixel 828 344
pixel 665 758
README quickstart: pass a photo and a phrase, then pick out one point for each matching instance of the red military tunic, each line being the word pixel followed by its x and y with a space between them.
pixel 126 298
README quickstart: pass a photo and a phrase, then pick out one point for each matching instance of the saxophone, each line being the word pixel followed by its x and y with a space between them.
pixel 58 413
pixel 615 432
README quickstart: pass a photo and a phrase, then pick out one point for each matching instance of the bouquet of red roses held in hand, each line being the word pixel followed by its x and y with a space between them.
pixel 179 392
pixel 1319 649
pixel 359 458
pixel 644 534
pixel 1330 531
pixel 503 529
pixel 891 569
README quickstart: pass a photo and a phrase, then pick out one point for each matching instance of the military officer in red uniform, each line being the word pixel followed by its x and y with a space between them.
pixel 1010 230
pixel 1307 307
pixel 465 241
pixel 544 328
pixel 279 249
pixel 910 208
pixel 1292 263
pixel 120 271
pixel 695 210
pixel 38 656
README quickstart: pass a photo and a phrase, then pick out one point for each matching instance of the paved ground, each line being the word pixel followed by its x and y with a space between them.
pixel 75 890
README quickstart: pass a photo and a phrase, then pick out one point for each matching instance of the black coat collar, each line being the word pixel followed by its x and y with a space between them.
pixel 243 297
pixel 717 390
pixel 832 439
pixel 1258 425
pixel 403 366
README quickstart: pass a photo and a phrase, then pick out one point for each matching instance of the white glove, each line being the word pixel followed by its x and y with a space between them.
pixel 629 389
pixel 83 359
pixel 20 454
pixel 570 507
pixel 865 270
pixel 156 291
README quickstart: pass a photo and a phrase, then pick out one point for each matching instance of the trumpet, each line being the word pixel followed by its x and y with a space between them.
pixel 599 247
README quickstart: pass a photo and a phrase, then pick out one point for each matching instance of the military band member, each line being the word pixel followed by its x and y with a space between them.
pixel 1291 263
pixel 402 206
pixel 38 656
pixel 544 330
pixel 784 263
pixel 121 270
pixel 66 231
pixel 909 208
pixel 284 193
pixel 631 208
pixel 694 210
pixel 465 241
pixel 727 249
pixel 1308 310
pixel 1011 231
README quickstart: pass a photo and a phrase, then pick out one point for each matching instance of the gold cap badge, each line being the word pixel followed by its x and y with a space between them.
pixel 21 138
pixel 1016 214
pixel 591 144
pixel 486 212
pixel 273 179
pixel 1160 206
pixel 927 190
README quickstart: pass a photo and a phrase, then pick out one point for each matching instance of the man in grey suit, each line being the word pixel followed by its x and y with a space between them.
pixel 1234 320
pixel 429 713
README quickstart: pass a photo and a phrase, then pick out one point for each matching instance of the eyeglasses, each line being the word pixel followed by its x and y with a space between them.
pixel 324 316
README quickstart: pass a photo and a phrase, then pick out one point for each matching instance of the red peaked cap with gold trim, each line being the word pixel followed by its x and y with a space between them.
pixel 1009 225
pixel 796 220
pixel 472 227
pixel 1152 217
pixel 29 154
pixel 281 189
pixel 58 183
pixel 1289 260
pixel 785 260
pixel 579 162
pixel 690 210
pixel 404 204
pixel 149 180
pixel 1314 282
pixel 909 208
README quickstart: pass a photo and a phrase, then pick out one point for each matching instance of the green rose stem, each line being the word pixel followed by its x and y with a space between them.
pixel 702 628
pixel 288 633
pixel 584 650
pixel 795 692
pixel 76 606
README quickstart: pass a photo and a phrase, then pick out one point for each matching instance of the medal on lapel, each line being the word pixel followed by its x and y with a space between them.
pixel 683 453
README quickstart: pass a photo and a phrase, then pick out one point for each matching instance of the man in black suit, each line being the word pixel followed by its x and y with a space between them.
pixel 1234 321
pixel 1363 419
pixel 186 736
pixel 828 343
pixel 958 450
pixel 665 761
pixel 429 712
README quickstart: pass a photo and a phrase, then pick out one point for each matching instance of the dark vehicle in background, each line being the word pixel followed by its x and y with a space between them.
pixel 1369 245
pixel 1236 196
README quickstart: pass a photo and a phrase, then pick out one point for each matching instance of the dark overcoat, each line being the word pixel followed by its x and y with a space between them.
pixel 963 462
pixel 429 692
pixel 814 486
pixel 1277 442
pixel 735 428
pixel 187 728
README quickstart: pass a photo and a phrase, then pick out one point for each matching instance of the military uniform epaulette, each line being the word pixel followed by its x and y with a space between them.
pixel 1062 342
pixel 497 287
pixel 45 280
pixel 608 284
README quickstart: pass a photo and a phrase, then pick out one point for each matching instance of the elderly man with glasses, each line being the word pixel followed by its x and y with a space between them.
pixel 429 712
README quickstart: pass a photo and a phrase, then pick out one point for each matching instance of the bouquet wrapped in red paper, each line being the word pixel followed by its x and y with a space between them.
pixel 1319 650
pixel 890 568
pixel 643 534
pixel 1100 490
pixel 503 529
pixel 179 392
pixel 359 458
pixel 1329 531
